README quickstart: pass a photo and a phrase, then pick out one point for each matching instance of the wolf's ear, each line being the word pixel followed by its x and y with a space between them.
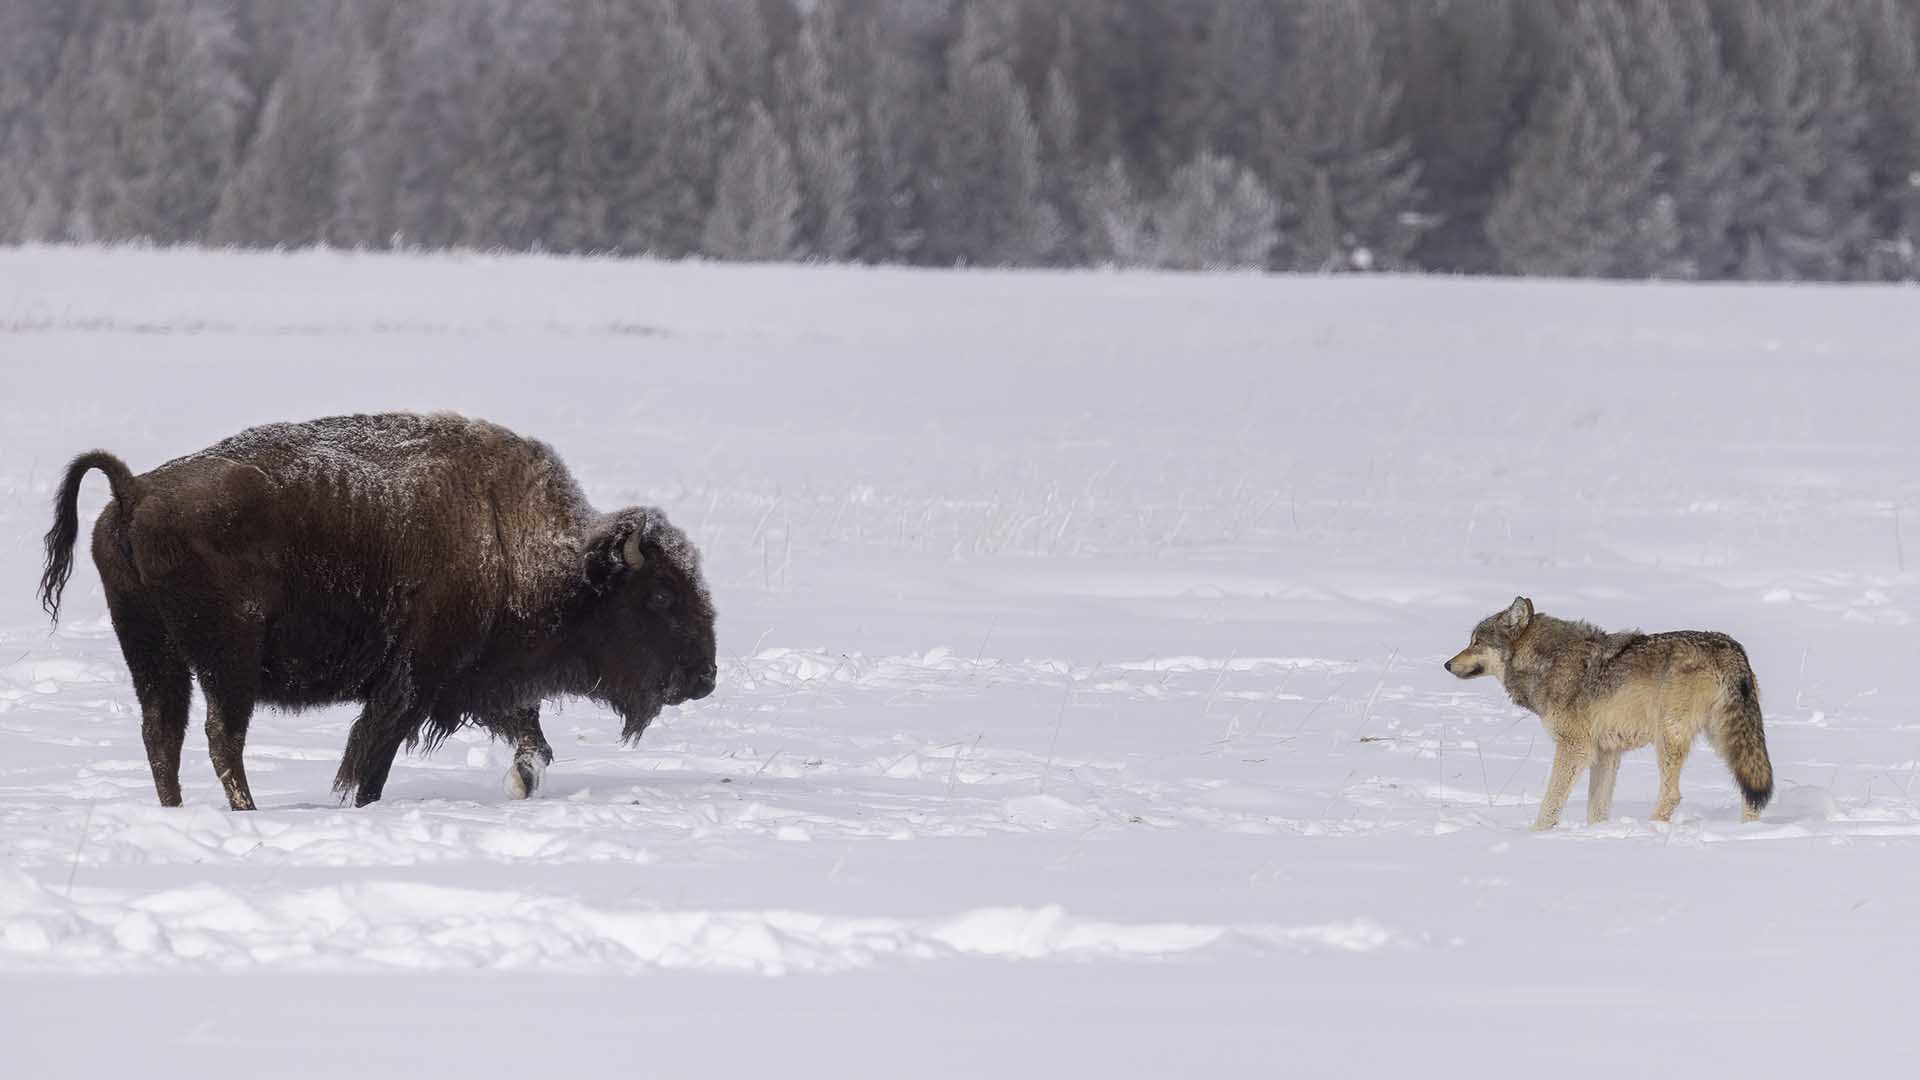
pixel 1519 614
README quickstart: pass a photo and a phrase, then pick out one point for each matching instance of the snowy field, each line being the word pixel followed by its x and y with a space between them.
pixel 1080 708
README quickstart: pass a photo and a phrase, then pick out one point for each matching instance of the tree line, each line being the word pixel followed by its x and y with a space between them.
pixel 1709 139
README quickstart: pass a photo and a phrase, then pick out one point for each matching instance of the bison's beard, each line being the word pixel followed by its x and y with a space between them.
pixel 636 710
pixel 638 696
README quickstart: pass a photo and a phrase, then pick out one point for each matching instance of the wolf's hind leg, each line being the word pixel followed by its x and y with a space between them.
pixel 1606 769
pixel 1568 760
pixel 1673 757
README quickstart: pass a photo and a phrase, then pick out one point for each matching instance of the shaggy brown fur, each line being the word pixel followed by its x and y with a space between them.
pixel 435 569
pixel 1601 694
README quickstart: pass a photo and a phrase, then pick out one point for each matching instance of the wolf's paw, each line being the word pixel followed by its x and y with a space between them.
pixel 523 779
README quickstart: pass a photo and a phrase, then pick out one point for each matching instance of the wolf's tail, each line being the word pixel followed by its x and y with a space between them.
pixel 66 520
pixel 1743 742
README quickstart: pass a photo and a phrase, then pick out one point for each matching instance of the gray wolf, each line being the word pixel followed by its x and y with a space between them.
pixel 1601 694
pixel 435 570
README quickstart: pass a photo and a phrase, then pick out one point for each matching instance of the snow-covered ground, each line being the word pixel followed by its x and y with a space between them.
pixel 1080 711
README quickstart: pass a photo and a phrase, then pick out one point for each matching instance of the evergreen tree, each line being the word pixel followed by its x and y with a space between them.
pixel 639 164
pixel 364 207
pixel 666 199
pixel 756 207
pixel 897 96
pixel 39 43
pixel 155 122
pixel 1119 227
pixel 1349 188
pixel 826 140
pixel 287 187
pixel 987 207
pixel 1581 199
pixel 1229 92
pixel 737 45
pixel 1461 110
pixel 433 82
pixel 1064 179
pixel 1890 68
pixel 1132 78
pixel 1804 215
pixel 1216 215
pixel 1695 116
pixel 508 193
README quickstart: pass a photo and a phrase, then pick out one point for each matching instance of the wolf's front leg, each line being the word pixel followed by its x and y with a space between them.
pixel 1606 769
pixel 531 754
pixel 1568 760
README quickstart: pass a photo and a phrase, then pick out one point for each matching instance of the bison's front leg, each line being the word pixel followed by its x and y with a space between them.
pixel 531 754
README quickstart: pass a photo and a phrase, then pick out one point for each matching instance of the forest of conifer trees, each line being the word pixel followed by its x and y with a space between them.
pixel 1709 139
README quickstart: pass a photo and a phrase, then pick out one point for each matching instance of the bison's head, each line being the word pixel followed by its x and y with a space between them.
pixel 647 630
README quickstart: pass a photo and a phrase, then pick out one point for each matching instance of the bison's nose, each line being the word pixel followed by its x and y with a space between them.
pixel 700 683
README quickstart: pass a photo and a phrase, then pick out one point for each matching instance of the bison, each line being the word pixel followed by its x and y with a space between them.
pixel 436 570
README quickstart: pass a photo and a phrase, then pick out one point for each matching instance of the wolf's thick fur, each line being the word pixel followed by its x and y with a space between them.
pixel 1602 694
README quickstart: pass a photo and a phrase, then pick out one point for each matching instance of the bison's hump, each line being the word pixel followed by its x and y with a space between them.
pixel 385 440
pixel 391 455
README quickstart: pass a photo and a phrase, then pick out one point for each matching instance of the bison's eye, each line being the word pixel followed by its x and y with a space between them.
pixel 660 601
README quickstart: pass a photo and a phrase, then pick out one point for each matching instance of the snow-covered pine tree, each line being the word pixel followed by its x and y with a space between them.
pixel 154 123
pixel 638 170
pixel 1460 108
pixel 1064 172
pixel 1133 77
pixel 288 185
pixel 737 42
pixel 1216 215
pixel 1226 97
pixel 363 211
pixel 1697 118
pixel 1581 199
pixel 38 41
pixel 1119 226
pixel 826 141
pixel 986 205
pixel 1348 187
pixel 508 194
pixel 1804 214
pixel 1890 68
pixel 756 205
pixel 430 119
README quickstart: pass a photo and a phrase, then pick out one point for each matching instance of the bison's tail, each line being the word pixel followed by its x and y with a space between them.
pixel 66 520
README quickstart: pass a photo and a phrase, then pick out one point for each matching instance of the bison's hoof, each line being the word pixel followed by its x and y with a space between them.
pixel 523 779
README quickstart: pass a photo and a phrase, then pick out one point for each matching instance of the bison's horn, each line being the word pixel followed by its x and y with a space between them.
pixel 631 551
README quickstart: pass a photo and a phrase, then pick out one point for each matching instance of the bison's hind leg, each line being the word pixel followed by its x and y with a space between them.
pixel 226 657
pixel 162 683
